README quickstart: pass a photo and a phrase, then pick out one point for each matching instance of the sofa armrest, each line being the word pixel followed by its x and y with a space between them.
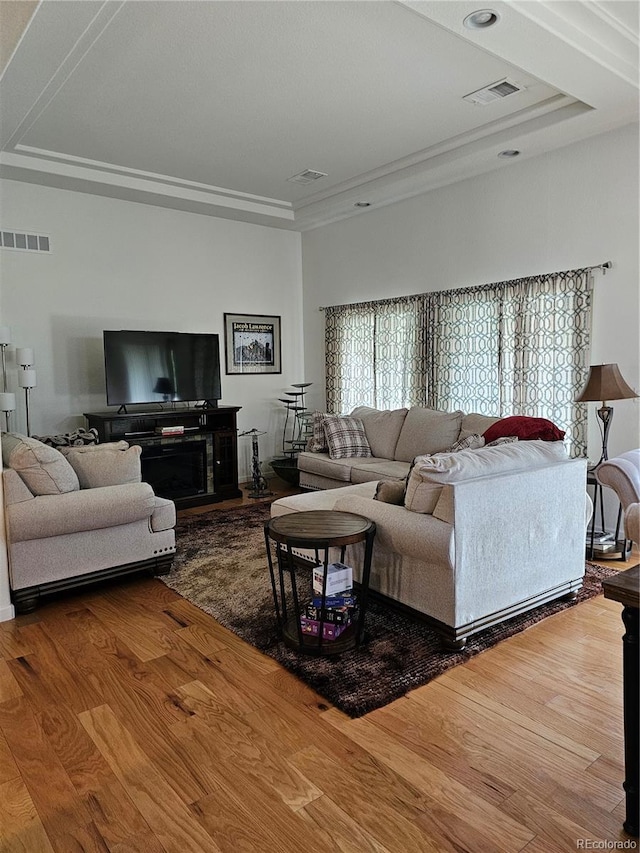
pixel 632 522
pixel 74 512
pixel 15 489
pixel 517 534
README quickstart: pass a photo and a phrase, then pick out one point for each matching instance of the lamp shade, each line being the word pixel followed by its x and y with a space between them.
pixel 5 335
pixel 7 401
pixel 24 356
pixel 163 386
pixel 604 383
pixel 27 378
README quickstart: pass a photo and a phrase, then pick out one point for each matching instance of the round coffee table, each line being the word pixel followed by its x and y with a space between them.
pixel 314 533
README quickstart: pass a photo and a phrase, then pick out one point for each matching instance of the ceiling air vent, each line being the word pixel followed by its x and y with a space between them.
pixel 25 241
pixel 307 176
pixel 494 92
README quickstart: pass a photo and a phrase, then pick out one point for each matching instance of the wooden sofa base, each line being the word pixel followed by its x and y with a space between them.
pixel 26 600
pixel 455 639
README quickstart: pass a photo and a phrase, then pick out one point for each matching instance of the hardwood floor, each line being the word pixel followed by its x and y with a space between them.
pixel 131 721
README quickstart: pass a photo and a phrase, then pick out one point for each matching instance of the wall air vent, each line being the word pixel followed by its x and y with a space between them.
pixel 307 176
pixel 494 92
pixel 24 241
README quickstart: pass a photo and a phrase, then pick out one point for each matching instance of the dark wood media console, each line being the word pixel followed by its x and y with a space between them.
pixel 196 467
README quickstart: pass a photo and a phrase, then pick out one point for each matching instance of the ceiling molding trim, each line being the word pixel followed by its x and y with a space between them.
pixel 447 168
pixel 555 104
pixel 158 186
pixel 103 14
pixel 580 25
pixel 127 172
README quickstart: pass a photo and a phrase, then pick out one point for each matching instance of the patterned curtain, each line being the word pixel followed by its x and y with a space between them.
pixel 375 354
pixel 510 348
pixel 544 351
pixel 462 354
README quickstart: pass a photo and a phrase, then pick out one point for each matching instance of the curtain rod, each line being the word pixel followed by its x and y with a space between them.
pixel 607 265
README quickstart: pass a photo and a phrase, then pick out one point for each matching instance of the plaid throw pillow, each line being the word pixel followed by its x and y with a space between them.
pixel 470 442
pixel 345 437
pixel 505 439
pixel 317 442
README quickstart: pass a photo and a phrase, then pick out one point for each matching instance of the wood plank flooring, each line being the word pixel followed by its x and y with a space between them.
pixel 131 721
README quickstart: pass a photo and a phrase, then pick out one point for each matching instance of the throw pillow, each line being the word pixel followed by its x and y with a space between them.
pixel 345 437
pixel 525 429
pixel 469 442
pixel 390 492
pixel 78 438
pixel 317 442
pixel 107 466
pixel 44 469
pixel 504 439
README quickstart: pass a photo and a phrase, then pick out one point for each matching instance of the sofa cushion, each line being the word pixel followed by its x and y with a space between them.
pixel 323 466
pixel 44 469
pixel 473 422
pixel 365 470
pixel 430 473
pixel 345 437
pixel 317 442
pixel 526 429
pixel 427 431
pixel 105 465
pixel 382 429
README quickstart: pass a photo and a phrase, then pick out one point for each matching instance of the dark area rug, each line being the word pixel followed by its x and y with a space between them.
pixel 221 567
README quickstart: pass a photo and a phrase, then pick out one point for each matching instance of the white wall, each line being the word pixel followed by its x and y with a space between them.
pixel 574 207
pixel 117 264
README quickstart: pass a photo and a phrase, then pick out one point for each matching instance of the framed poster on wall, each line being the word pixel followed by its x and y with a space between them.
pixel 252 343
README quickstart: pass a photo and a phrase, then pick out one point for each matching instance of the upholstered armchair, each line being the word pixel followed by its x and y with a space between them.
pixel 622 474
pixel 80 516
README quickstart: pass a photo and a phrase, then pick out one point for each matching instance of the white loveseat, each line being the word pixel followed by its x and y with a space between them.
pixel 501 530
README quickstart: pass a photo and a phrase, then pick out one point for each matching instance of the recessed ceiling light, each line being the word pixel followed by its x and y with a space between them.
pixel 362 204
pixel 509 152
pixel 481 19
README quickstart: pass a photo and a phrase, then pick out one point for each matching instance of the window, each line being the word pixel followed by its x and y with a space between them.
pixel 510 348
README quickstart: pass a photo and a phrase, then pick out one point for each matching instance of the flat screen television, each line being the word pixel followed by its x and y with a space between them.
pixel 161 367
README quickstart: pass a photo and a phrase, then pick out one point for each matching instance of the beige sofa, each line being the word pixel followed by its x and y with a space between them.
pixel 395 437
pixel 484 535
pixel 75 519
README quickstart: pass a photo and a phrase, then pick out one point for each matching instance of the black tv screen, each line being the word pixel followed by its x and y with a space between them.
pixel 161 367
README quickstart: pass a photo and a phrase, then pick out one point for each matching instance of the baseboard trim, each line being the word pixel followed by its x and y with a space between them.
pixel 7 613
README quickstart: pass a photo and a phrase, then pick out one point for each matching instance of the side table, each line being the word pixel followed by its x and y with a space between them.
pixel 621 547
pixel 316 531
pixel 624 587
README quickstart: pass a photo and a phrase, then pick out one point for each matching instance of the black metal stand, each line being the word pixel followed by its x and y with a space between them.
pixel 260 485
pixel 622 547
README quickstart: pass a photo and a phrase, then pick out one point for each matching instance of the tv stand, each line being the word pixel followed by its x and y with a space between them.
pixel 193 467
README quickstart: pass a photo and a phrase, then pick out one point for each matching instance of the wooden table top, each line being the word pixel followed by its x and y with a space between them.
pixel 624 587
pixel 338 528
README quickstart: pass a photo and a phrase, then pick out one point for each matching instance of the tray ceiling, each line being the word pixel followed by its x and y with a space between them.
pixel 213 106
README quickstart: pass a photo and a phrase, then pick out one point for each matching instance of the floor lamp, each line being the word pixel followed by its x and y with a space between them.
pixel 7 399
pixel 604 383
pixel 26 377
